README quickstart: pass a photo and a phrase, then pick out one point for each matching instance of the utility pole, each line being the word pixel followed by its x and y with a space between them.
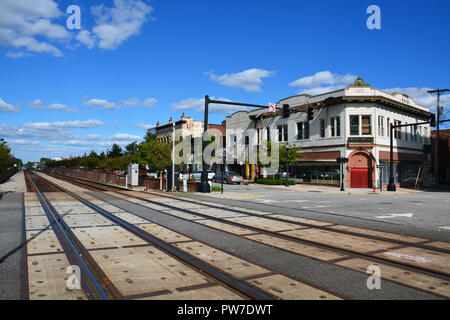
pixel 173 157
pixel 287 165
pixel 436 145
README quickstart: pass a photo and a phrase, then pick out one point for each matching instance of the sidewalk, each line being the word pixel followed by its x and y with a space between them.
pixel 333 190
pixel 14 184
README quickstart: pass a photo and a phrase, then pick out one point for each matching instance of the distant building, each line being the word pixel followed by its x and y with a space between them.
pixel 185 127
pixel 352 122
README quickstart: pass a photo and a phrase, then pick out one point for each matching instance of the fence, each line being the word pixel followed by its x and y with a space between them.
pixel 116 179
pixel 6 174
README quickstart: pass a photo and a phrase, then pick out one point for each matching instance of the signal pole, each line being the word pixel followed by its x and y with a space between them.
pixel 436 145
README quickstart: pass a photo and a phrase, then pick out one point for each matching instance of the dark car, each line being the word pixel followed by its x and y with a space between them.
pixel 229 177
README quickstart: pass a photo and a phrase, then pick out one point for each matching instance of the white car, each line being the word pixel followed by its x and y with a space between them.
pixel 198 175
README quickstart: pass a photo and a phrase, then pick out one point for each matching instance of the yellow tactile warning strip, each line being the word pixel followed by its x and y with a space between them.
pixel 339 240
pixel 413 279
pixel 289 289
pixel 47 278
pixel 295 247
pixel 235 266
pixel 387 235
pixel 428 259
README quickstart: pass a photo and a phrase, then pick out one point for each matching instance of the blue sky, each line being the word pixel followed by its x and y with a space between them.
pixel 65 92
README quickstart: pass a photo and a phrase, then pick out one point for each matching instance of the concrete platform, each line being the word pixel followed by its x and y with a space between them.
pixel 11 225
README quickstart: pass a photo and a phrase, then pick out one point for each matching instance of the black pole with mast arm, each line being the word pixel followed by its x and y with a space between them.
pixel 204 185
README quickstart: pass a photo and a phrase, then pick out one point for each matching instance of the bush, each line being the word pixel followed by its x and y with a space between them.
pixel 215 188
pixel 270 181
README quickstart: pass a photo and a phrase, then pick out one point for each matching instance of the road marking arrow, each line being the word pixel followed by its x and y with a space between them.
pixel 395 215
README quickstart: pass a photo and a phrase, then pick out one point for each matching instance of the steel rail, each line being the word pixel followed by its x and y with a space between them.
pixel 239 285
pixel 92 288
pixel 427 271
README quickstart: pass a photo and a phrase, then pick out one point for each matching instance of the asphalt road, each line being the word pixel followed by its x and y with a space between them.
pixel 419 214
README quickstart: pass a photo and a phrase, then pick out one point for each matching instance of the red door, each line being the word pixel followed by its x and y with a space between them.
pixel 360 177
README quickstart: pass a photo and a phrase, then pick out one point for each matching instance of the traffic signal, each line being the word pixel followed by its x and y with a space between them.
pixel 285 111
pixel 433 121
pixel 309 113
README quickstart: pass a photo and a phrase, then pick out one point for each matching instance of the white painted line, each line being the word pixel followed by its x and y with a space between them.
pixel 409 257
pixel 395 215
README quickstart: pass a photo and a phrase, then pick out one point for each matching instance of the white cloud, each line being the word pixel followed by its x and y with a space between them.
pixel 37 104
pixel 124 136
pixel 199 106
pixel 88 124
pixel 421 96
pixel 249 80
pixel 6 107
pixel 86 38
pixel 132 102
pixel 149 103
pixel 143 126
pixel 16 55
pixel 104 104
pixel 115 25
pixel 323 81
pixel 23 142
pixel 21 22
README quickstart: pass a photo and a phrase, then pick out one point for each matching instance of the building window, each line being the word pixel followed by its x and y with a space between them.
pixel 381 126
pixel 283 133
pixel 420 134
pixel 299 130
pixel 354 125
pixel 268 134
pixel 322 128
pixel 303 130
pixel 406 132
pixel 398 131
pixel 425 135
pixel 415 133
pixel 338 126
pixel 366 127
pixel 388 127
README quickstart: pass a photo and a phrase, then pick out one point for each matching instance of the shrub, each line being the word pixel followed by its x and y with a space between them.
pixel 215 188
pixel 270 181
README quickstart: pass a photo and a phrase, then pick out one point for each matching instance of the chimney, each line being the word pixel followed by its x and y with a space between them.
pixel 182 116
pixel 157 124
pixel 170 120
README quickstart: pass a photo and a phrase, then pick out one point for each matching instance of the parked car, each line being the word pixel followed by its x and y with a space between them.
pixel 198 175
pixel 229 177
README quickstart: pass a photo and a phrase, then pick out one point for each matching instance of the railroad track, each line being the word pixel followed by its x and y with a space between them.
pixel 380 256
pixel 98 285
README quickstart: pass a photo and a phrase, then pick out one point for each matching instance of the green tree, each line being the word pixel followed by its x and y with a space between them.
pixel 293 154
pixel 149 137
pixel 131 149
pixel 5 156
pixel 156 154
pixel 116 151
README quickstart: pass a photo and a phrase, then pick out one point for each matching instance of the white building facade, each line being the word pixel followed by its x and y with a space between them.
pixel 353 123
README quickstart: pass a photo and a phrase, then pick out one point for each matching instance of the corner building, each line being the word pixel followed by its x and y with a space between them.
pixel 353 122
